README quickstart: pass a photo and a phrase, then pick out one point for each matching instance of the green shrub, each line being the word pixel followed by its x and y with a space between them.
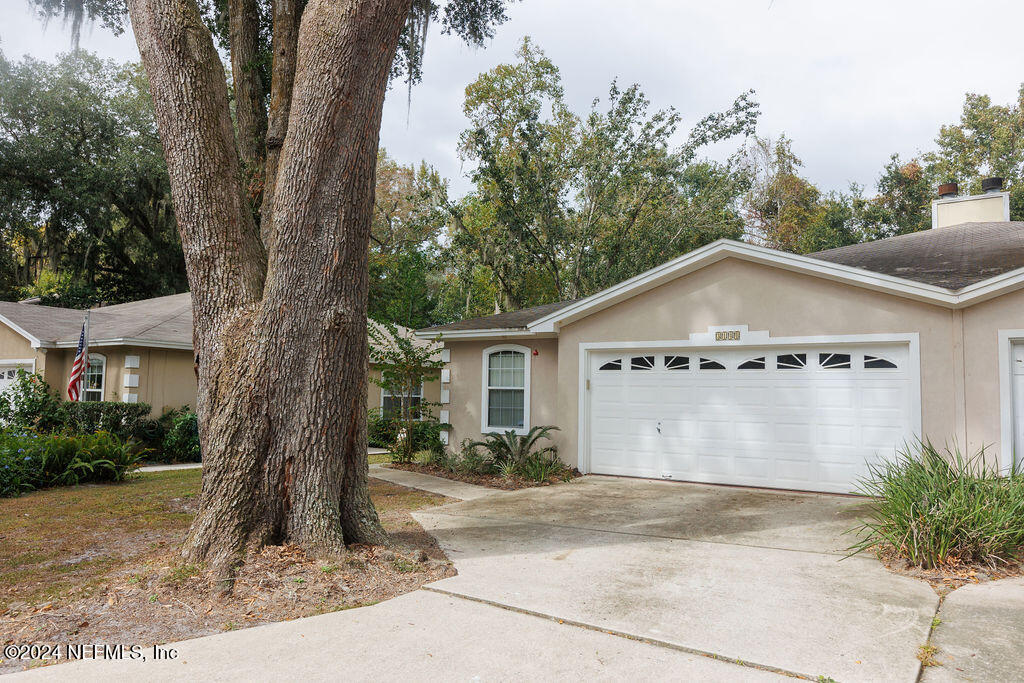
pixel 29 460
pixel 514 454
pixel 28 404
pixel 936 508
pixel 181 443
pixel 380 430
pixel 384 432
pixel 125 420
pixel 541 467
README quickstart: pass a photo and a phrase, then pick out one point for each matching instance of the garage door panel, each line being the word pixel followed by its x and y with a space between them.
pixel 754 432
pixel 812 427
pixel 792 396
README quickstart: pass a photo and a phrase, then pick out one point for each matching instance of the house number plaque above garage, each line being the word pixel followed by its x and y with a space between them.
pixel 727 335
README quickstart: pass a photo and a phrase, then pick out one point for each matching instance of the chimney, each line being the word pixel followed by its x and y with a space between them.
pixel 991 207
pixel 992 185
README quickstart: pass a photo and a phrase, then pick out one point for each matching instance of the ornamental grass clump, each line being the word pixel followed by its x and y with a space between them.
pixel 943 508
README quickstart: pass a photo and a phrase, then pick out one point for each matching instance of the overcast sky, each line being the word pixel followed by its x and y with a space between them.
pixel 849 82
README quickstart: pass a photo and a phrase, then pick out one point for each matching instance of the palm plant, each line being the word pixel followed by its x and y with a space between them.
pixel 514 449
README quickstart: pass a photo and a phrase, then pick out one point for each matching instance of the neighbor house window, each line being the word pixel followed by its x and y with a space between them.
pixel 391 404
pixel 94 375
pixel 506 394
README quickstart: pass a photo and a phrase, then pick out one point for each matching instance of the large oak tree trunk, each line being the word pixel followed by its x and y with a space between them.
pixel 280 334
pixel 244 38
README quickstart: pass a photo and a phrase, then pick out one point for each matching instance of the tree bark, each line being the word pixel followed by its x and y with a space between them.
pixel 280 334
pixel 284 46
pixel 250 115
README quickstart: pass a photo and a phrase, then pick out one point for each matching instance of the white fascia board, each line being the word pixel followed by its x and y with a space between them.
pixel 478 334
pixel 990 288
pixel 127 341
pixel 32 339
pixel 716 251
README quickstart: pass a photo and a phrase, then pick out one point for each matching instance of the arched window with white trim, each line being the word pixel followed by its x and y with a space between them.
pixel 506 389
pixel 95 375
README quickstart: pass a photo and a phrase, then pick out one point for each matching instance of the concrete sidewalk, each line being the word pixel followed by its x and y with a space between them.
pixel 980 634
pixel 424 482
pixel 170 468
pixel 420 636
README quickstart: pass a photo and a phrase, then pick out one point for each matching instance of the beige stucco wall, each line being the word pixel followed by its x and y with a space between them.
pixel 982 401
pixel 958 350
pixel 466 366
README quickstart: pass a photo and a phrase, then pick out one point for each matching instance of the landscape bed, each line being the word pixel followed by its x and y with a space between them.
pixel 118 578
pixel 494 481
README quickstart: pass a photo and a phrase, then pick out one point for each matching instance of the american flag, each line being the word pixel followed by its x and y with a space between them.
pixel 77 381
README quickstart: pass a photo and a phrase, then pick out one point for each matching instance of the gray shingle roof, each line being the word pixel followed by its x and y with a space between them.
pixel 952 257
pixel 513 320
pixel 163 320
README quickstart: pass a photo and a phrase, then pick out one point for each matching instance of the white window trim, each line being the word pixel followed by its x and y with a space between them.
pixel 19 363
pixel 912 339
pixel 484 408
pixel 1007 338
pixel 103 377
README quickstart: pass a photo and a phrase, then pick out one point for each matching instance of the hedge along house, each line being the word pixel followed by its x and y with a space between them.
pixel 138 352
pixel 738 364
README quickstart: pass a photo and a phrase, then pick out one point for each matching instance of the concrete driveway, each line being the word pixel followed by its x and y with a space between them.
pixel 754 577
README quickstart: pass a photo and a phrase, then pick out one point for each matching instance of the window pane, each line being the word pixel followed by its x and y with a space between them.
pixel 506 369
pixel 505 407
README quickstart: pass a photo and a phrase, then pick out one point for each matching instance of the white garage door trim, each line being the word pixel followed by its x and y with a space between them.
pixel 751 340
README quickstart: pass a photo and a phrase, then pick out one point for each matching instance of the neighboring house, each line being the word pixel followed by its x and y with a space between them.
pixel 738 364
pixel 138 352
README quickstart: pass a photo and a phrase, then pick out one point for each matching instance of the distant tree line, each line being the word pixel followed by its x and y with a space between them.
pixel 563 203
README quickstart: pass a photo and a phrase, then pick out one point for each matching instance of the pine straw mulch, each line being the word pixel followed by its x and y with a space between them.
pixel 116 577
pixel 953 575
pixel 493 481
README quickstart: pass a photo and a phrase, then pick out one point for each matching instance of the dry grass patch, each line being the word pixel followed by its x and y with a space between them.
pixel 100 564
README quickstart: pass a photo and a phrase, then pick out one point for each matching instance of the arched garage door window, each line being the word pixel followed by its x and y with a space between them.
pixel 506 390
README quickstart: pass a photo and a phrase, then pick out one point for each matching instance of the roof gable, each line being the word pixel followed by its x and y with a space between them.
pixel 828 268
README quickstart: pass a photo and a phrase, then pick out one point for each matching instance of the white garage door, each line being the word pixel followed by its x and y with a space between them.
pixel 806 418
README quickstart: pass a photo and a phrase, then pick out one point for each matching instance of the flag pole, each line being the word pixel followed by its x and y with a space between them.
pixel 85 360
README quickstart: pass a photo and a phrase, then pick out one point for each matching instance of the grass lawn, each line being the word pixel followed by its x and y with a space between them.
pixel 379 458
pixel 99 563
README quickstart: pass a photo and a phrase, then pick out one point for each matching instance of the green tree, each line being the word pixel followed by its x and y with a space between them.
pixel 410 217
pixel 405 364
pixel 280 302
pixel 565 205
pixel 84 191
pixel 903 202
